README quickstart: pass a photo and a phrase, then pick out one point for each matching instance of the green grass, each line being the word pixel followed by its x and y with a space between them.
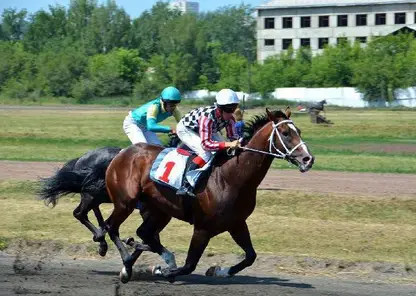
pixel 362 140
pixel 284 223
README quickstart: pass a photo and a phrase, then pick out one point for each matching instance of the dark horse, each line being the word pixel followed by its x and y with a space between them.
pixel 224 205
pixel 86 175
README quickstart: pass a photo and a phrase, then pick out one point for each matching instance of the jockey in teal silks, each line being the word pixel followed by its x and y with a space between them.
pixel 142 124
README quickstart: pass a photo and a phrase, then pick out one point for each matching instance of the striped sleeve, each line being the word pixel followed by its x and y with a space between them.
pixel 205 132
pixel 231 130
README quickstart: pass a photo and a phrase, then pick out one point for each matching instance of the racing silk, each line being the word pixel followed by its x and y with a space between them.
pixel 153 112
pixel 207 121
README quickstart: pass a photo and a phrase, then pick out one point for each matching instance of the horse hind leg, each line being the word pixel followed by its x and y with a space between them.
pixel 149 231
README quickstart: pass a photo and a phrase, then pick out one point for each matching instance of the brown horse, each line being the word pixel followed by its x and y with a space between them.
pixel 224 205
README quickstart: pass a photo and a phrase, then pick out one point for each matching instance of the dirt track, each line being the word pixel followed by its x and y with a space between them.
pixel 63 276
pixel 314 181
pixel 28 275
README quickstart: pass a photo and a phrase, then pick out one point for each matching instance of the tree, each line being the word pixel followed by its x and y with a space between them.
pixel 233 69
pixel 46 27
pixel 108 28
pixel 384 66
pixel 13 24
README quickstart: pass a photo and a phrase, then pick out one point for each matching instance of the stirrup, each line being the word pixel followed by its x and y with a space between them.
pixel 186 190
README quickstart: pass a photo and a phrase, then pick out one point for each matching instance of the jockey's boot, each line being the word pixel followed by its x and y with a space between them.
pixel 186 188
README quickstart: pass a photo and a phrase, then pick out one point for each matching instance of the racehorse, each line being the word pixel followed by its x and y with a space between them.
pixel 86 175
pixel 223 205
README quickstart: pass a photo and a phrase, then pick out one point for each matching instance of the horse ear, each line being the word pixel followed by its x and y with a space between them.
pixel 288 112
pixel 270 115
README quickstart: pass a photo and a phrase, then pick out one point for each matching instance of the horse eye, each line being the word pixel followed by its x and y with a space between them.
pixel 285 133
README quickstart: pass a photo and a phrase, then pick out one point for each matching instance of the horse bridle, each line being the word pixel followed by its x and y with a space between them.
pixel 277 153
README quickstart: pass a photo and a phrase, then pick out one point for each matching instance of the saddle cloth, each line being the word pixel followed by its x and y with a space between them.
pixel 170 168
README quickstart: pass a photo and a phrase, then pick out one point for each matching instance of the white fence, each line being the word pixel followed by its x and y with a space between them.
pixel 341 96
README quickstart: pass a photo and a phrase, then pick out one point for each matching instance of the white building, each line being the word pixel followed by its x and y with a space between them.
pixel 185 6
pixel 315 23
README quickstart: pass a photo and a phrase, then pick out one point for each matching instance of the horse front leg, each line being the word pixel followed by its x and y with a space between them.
pixel 241 236
pixel 199 242
pixel 118 216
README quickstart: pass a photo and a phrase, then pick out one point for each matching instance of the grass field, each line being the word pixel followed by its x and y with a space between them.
pixel 284 223
pixel 360 140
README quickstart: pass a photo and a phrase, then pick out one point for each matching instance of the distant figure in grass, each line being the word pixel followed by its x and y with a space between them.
pixel 142 124
pixel 239 122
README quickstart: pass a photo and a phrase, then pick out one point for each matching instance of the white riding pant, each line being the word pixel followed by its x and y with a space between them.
pixel 193 141
pixel 138 133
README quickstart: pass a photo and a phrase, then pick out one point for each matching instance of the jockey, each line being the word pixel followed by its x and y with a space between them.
pixel 141 124
pixel 198 130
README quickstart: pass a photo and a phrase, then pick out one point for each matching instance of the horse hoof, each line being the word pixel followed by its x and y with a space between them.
pixel 129 241
pixel 218 271
pixel 156 270
pixel 102 249
pixel 125 275
pixel 211 271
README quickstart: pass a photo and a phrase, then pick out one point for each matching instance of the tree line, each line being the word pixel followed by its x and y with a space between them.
pixel 89 50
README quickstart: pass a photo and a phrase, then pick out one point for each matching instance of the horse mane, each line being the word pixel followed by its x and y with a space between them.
pixel 258 121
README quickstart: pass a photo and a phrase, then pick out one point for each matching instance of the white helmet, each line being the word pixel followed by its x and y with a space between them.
pixel 227 96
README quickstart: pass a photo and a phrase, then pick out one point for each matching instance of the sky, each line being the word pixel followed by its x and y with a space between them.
pixel 133 7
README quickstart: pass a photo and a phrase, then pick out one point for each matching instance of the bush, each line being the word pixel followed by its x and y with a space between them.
pixel 15 89
pixel 83 91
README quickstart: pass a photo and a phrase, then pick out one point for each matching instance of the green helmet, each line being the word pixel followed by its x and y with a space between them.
pixel 171 94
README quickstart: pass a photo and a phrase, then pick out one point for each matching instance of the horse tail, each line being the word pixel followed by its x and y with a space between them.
pixel 65 181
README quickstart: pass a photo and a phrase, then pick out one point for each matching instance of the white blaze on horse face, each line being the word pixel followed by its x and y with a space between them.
pixel 303 145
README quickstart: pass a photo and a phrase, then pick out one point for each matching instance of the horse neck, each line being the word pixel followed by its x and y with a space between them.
pixel 250 168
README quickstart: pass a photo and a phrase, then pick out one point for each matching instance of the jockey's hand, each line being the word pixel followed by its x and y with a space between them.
pixel 233 145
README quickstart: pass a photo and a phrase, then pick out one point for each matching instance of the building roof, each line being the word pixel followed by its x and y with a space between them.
pixel 327 3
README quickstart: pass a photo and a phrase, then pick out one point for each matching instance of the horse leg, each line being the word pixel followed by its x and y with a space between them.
pixel 81 213
pixel 101 231
pixel 241 236
pixel 199 242
pixel 119 215
pixel 149 232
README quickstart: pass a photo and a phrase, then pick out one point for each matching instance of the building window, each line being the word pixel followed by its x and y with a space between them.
pixel 287 22
pixel 343 20
pixel 380 18
pixel 286 43
pixel 342 40
pixel 361 39
pixel 361 20
pixel 322 42
pixel 400 18
pixel 324 21
pixel 269 23
pixel 305 21
pixel 305 42
pixel 268 42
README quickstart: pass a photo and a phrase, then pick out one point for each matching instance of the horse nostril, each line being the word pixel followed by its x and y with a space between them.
pixel 306 159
